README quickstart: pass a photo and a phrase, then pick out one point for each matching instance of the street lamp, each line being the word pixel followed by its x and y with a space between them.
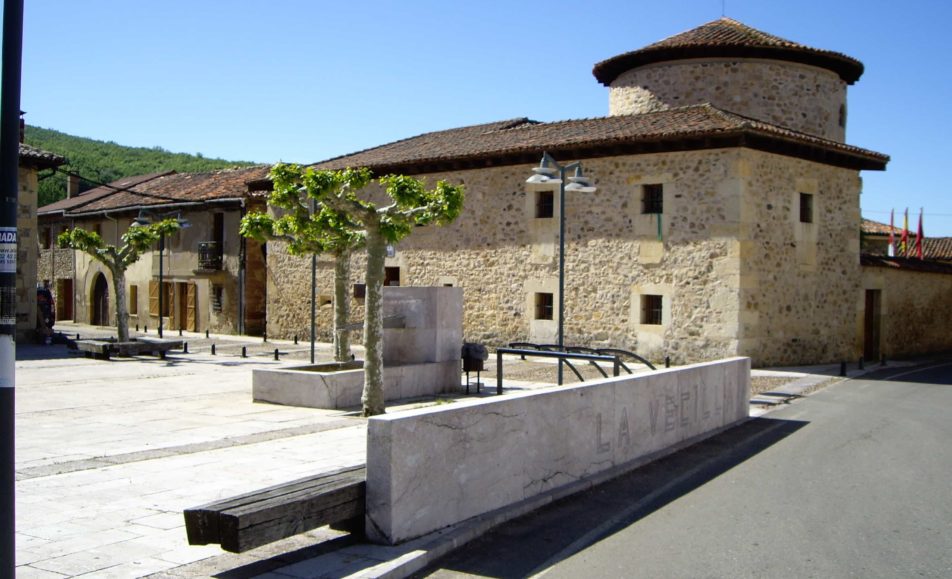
pixel 143 220
pixel 548 175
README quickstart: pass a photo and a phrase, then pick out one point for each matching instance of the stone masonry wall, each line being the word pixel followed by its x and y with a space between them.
pixel 800 97
pixel 27 250
pixel 915 311
pixel 799 280
pixel 501 255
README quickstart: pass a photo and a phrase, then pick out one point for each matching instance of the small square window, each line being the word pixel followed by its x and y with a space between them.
pixel 652 198
pixel 543 306
pixel 806 208
pixel 545 204
pixel 651 308
pixel 391 276
pixel 360 291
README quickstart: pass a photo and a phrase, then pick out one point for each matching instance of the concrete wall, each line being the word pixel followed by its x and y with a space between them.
pixel 801 97
pixel 430 468
pixel 915 312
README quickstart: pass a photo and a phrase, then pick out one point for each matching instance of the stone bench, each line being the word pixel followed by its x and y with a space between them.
pixel 253 519
pixel 106 348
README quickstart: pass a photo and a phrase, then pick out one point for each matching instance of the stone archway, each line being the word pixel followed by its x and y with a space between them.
pixel 99 312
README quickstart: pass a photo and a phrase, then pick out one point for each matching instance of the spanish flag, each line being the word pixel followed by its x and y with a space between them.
pixel 904 238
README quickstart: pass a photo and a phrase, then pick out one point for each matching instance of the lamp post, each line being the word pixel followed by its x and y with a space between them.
pixel 143 219
pixel 548 174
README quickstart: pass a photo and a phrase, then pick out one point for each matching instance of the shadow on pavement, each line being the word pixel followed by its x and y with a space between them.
pixel 528 544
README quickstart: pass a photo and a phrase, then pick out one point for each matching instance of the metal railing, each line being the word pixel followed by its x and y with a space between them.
pixel 209 256
pixel 616 363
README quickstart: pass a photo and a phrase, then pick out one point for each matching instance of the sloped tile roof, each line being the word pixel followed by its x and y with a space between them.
pixel 522 140
pixel 729 38
pixel 937 248
pixel 906 263
pixel 38 158
pixel 165 189
pixel 870 227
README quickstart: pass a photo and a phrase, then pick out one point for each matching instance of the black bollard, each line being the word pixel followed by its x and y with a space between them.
pixel 206 334
pixel 185 348
pixel 77 335
pixel 180 332
pixel 213 349
pixel 882 359
pixel 264 337
pixel 667 361
pixel 244 352
pixel 137 327
pixel 295 339
pixel 145 329
pixel 276 355
pixel 842 368
pixel 860 363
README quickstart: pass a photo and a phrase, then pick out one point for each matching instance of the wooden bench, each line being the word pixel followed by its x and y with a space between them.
pixel 250 520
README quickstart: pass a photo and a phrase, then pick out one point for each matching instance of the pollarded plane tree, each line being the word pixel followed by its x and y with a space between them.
pixel 407 204
pixel 135 241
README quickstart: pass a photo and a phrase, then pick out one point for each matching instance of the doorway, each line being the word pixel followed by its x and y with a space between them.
pixel 99 314
pixel 185 313
pixel 872 325
pixel 64 299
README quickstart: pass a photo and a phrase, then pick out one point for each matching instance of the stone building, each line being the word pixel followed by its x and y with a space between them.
pixel 725 222
pixel 212 278
pixel 32 161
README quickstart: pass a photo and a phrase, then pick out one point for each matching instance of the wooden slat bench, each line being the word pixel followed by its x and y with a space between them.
pixel 250 520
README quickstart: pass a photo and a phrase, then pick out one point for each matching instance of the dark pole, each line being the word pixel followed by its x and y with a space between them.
pixel 161 285
pixel 561 266
pixel 9 175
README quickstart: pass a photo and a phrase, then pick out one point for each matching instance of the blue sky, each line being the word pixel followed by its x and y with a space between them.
pixel 302 81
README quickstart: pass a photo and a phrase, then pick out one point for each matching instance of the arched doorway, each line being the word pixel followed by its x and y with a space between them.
pixel 99 312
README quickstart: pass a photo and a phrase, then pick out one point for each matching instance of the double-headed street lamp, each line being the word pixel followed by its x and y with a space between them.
pixel 548 175
pixel 146 218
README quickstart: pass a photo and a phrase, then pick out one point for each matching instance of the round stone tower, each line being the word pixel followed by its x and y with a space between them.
pixel 739 69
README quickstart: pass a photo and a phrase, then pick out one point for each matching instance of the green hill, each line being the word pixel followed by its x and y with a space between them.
pixel 104 162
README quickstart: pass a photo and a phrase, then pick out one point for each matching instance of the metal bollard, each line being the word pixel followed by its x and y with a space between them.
pixel 137 327
pixel 882 360
pixel 667 361
pixel 244 352
pixel 213 349
pixel 295 339
pixel 860 363
pixel 843 368
pixel 77 335
pixel 206 334
pixel 180 332
pixel 185 348
pixel 264 337
pixel 276 354
pixel 145 329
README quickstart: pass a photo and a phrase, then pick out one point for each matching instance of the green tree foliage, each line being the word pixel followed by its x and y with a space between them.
pixel 135 241
pixel 105 162
pixel 354 217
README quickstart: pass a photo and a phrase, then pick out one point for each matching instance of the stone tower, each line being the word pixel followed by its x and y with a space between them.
pixel 736 68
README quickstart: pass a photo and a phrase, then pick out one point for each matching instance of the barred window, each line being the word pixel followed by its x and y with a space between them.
pixel 651 308
pixel 543 306
pixel 652 198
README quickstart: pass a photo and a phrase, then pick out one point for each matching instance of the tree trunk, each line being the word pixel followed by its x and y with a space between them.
pixel 372 397
pixel 341 306
pixel 122 310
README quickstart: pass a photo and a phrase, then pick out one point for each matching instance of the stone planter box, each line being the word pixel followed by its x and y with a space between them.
pixel 340 385
pixel 103 349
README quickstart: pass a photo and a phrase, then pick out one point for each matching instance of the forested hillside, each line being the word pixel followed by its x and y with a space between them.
pixel 103 162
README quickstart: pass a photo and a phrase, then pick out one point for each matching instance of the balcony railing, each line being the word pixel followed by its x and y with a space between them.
pixel 209 256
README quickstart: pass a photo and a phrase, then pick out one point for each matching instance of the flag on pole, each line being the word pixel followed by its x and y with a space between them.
pixel 891 251
pixel 904 238
pixel 919 236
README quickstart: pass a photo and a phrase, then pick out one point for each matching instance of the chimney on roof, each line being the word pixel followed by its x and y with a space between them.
pixel 72 186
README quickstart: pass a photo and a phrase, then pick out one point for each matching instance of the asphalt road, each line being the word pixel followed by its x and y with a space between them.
pixel 852 481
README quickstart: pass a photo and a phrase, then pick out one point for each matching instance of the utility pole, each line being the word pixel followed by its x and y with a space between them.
pixel 9 169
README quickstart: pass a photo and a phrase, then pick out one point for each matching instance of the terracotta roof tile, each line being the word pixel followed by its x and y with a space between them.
pixel 871 227
pixel 163 189
pixel 937 248
pixel 906 263
pixel 96 193
pixel 726 37
pixel 38 158
pixel 518 140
